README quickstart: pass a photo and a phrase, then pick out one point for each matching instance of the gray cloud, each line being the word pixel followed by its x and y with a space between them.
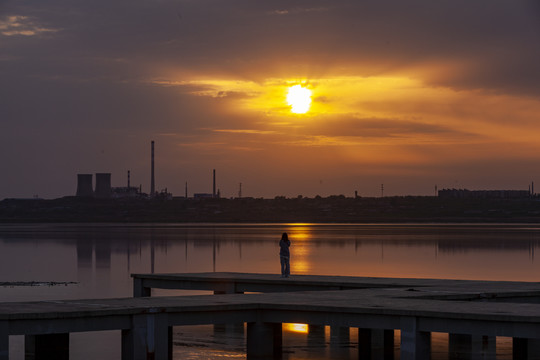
pixel 381 128
pixel 480 44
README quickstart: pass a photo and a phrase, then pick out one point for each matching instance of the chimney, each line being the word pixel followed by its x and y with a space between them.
pixel 214 186
pixel 152 184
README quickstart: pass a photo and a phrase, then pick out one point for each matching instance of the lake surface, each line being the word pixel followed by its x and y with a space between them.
pixel 101 257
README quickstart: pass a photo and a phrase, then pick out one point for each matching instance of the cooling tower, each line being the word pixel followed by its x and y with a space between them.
pixel 84 185
pixel 103 185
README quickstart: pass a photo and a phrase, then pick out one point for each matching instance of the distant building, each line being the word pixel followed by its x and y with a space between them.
pixel 84 185
pixel 103 185
pixel 126 192
pixel 203 196
pixel 483 194
pixel 163 195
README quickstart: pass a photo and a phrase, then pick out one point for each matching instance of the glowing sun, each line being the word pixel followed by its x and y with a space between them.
pixel 299 98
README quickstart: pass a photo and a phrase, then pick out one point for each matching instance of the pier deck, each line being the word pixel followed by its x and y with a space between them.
pixel 417 307
pixel 231 282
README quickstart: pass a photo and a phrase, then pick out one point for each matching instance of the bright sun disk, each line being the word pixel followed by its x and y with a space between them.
pixel 299 98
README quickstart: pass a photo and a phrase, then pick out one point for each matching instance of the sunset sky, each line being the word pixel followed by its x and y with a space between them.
pixel 410 94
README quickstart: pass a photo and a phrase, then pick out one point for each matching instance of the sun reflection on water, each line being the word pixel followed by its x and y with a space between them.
pixel 300 236
pixel 297 328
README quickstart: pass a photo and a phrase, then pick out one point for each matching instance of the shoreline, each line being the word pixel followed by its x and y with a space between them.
pixel 334 209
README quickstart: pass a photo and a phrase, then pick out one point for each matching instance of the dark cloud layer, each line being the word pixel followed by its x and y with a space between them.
pixel 482 44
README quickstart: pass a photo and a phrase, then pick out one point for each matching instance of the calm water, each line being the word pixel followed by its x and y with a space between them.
pixel 100 258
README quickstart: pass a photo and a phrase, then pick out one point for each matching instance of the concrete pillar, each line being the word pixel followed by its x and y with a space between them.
pixel 525 349
pixel 4 340
pixel 339 336
pixel 277 332
pixel 533 349
pixel 316 337
pixel 375 344
pixel 46 347
pixel 519 349
pixel 415 344
pixel 139 290
pixel 460 346
pixel 170 342
pixel 147 339
pixel 263 340
pixel 340 342
pixel 388 344
pixel 364 344
pixel 484 347
pixel 234 328
pixel 382 344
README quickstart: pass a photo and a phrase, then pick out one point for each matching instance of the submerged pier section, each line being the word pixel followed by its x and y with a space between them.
pixel 472 312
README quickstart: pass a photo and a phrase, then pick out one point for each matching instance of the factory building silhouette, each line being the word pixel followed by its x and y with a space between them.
pixel 103 185
pixel 84 185
pixel 486 194
pixel 104 189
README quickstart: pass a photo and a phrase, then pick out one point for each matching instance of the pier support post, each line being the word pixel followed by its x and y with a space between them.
pixel 139 290
pixel 472 347
pixel 375 344
pixel 147 339
pixel 339 336
pixel 484 347
pixel 415 344
pixel 382 342
pixel 231 328
pixel 170 342
pixel 525 349
pixel 4 340
pixel 339 342
pixel 364 343
pixel 316 336
pixel 46 346
pixel 460 346
pixel 519 349
pixel 264 340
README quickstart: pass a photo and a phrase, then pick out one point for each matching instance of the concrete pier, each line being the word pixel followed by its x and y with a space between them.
pixel 467 310
pixel 46 346
pixel 377 344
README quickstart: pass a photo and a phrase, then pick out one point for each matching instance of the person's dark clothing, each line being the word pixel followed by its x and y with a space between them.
pixel 284 247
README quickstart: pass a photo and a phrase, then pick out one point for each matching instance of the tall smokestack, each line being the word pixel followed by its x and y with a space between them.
pixel 129 175
pixel 214 186
pixel 152 184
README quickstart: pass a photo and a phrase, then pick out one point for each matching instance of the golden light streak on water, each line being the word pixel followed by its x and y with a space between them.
pixel 297 328
pixel 300 236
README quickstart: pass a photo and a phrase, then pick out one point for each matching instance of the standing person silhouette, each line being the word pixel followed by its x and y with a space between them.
pixel 284 255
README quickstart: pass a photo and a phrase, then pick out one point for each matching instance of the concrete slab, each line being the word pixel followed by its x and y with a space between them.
pixel 415 306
